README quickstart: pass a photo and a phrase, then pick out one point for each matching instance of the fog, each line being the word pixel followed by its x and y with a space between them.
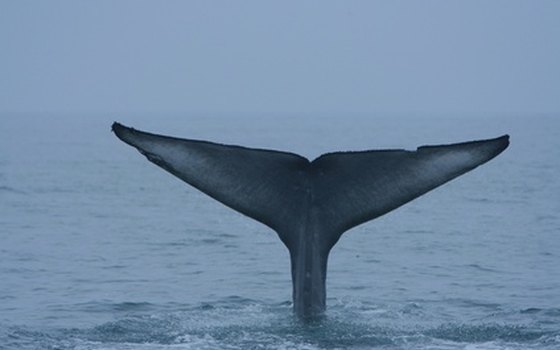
pixel 310 58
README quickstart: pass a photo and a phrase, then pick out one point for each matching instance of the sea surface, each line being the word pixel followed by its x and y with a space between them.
pixel 100 249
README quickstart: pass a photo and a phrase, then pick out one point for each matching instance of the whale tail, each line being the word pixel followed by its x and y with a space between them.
pixel 341 190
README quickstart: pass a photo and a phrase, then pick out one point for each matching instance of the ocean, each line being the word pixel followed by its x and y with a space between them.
pixel 100 249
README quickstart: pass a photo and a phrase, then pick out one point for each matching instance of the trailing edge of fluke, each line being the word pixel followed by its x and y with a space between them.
pixel 310 204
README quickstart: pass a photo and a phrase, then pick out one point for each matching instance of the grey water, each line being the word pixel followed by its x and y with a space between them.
pixel 100 249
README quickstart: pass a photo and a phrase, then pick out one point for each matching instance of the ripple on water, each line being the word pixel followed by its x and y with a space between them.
pixel 238 323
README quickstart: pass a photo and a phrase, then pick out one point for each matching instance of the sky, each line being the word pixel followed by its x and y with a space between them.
pixel 280 57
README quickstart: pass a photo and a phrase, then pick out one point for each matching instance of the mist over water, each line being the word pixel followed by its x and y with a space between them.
pixel 100 249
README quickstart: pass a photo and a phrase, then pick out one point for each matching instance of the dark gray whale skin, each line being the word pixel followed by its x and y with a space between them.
pixel 310 204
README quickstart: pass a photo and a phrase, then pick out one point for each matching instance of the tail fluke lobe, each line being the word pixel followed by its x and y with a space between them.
pixel 355 187
pixel 267 186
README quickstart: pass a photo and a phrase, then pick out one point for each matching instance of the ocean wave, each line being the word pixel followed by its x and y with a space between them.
pixel 10 189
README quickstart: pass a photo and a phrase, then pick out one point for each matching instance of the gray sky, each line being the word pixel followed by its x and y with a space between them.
pixel 281 57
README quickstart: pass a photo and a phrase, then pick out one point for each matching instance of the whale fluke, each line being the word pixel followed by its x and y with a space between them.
pixel 310 204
